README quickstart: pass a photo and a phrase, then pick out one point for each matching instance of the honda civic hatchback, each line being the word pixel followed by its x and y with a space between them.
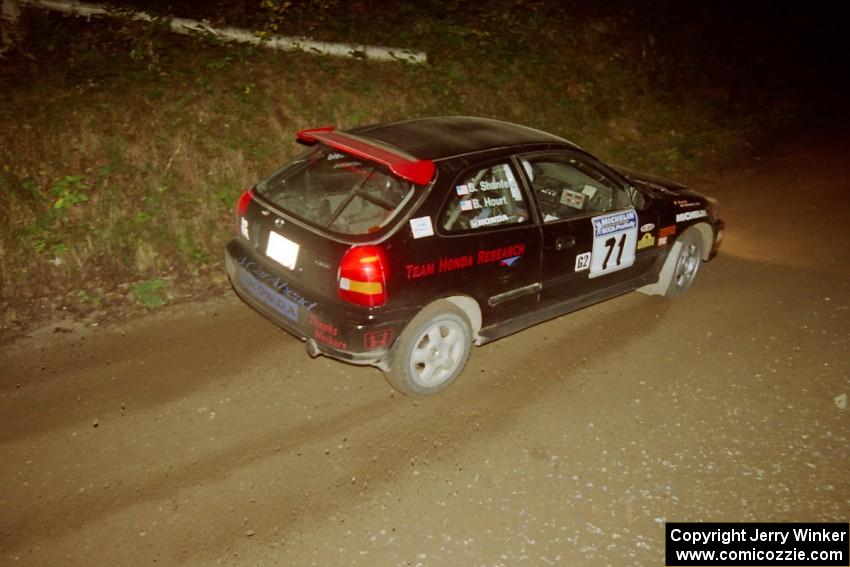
pixel 402 245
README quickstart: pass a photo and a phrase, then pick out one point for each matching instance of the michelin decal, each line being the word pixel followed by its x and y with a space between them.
pixel 691 215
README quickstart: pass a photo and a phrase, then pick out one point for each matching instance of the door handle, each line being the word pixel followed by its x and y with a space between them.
pixel 563 242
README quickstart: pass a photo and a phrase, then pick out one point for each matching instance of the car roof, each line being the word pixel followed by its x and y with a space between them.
pixel 443 137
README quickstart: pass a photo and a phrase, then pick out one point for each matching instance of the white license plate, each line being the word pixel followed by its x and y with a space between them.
pixel 282 250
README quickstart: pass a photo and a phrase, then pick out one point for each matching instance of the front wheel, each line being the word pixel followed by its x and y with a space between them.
pixel 687 263
pixel 432 350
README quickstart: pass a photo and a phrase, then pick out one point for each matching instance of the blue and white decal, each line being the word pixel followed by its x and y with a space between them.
pixel 272 290
pixel 269 296
pixel 614 242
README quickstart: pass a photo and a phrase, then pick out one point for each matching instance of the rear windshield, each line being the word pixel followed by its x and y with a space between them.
pixel 337 191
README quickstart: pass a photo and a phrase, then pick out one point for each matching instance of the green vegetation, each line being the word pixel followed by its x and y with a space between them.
pixel 151 293
pixel 123 147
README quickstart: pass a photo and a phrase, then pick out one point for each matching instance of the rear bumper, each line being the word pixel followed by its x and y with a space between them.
pixel 351 334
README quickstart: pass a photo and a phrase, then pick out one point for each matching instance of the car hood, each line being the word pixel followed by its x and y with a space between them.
pixel 656 185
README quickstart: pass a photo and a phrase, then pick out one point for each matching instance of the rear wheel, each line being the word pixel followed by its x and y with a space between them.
pixel 432 350
pixel 687 263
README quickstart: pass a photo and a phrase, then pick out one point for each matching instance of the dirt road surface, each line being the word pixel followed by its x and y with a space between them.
pixel 203 434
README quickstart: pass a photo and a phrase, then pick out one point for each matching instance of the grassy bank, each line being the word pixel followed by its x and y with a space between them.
pixel 123 148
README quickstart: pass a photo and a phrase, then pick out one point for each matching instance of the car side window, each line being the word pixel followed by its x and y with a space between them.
pixel 484 198
pixel 567 188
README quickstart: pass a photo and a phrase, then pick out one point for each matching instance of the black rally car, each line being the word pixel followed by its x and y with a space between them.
pixel 400 245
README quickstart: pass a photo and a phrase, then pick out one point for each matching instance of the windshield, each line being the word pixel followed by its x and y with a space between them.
pixel 337 191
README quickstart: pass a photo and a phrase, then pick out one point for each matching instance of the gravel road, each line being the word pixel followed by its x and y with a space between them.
pixel 203 434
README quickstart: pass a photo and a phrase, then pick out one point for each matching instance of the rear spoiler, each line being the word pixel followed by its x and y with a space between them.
pixel 419 171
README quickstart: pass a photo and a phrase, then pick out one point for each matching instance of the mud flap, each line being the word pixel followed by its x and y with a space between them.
pixel 666 276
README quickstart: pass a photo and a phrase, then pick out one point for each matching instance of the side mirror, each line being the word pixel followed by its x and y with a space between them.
pixel 638 199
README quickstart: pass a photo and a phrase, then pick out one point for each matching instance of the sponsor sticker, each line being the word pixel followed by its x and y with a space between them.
pixel 326 332
pixel 685 204
pixel 691 215
pixel 475 223
pixel 505 256
pixel 350 165
pixel 270 297
pixel 648 227
pixel 646 241
pixel 662 241
pixel 614 223
pixel 415 271
pixel 455 263
pixel 499 254
pixel 572 199
pixel 583 261
pixel 667 230
pixel 421 227
pixel 589 191
pixel 273 282
pixel 381 338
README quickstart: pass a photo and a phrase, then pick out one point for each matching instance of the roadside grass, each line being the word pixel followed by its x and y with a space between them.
pixel 151 293
pixel 123 148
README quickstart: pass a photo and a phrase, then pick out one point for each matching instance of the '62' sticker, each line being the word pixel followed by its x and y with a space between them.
pixel 614 242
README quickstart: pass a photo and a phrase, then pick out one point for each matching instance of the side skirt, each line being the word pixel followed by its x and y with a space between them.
pixel 515 324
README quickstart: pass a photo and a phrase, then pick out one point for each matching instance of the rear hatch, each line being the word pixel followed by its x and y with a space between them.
pixel 309 213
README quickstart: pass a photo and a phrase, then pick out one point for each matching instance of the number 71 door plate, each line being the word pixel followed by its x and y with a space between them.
pixel 614 242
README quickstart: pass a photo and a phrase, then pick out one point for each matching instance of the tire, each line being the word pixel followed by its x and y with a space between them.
pixel 431 351
pixel 687 263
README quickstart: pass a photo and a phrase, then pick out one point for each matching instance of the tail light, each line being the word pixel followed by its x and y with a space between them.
pixel 241 209
pixel 363 276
